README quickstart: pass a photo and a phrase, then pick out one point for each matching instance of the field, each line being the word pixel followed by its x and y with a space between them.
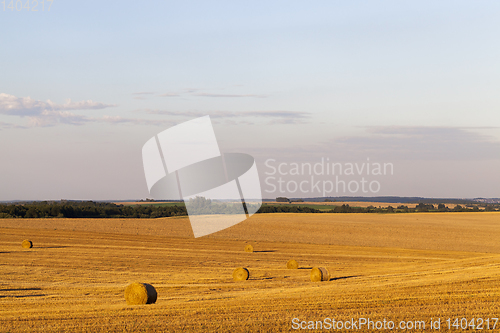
pixel 397 267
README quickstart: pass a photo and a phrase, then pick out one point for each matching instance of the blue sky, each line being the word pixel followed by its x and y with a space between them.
pixel 84 85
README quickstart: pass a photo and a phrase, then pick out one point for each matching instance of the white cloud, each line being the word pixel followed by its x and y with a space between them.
pixel 142 94
pixel 46 113
pixel 169 95
pixel 281 117
pixel 51 118
pixel 134 121
pixel 196 93
pixel 230 95
pixel 27 106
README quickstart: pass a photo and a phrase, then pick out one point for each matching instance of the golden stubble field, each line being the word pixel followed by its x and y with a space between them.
pixel 396 267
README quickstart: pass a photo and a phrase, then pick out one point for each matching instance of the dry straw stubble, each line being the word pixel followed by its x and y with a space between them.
pixel 241 274
pixel 140 293
pixel 320 274
pixel 292 264
pixel 27 244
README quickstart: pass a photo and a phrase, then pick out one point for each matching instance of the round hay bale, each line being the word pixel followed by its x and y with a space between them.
pixel 292 264
pixel 249 248
pixel 27 244
pixel 319 274
pixel 140 293
pixel 241 274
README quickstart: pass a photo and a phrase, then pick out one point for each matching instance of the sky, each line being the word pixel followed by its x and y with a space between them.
pixel 414 85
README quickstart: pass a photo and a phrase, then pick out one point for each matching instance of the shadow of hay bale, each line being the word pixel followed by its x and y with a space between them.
pixel 343 277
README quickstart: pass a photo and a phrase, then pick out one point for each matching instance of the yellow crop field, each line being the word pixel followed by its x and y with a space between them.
pixel 414 269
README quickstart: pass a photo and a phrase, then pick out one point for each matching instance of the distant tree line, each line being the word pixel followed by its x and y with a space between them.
pixel 305 209
pixel 287 209
pixel 203 206
pixel 345 208
pixel 87 209
pixel 90 209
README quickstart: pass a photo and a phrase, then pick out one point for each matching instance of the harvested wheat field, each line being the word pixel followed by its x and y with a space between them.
pixel 397 267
